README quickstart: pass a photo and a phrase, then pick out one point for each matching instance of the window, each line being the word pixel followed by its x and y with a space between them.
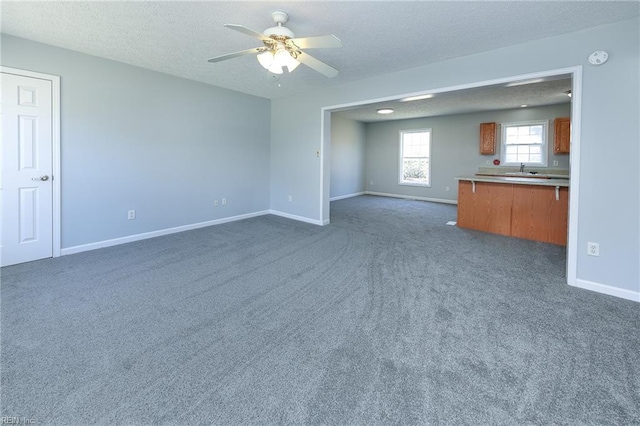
pixel 525 143
pixel 415 150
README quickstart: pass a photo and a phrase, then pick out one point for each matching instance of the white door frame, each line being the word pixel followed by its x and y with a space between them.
pixel 574 159
pixel 55 140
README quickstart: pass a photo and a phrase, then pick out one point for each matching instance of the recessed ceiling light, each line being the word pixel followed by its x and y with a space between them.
pixel 523 106
pixel 417 98
pixel 385 111
pixel 523 82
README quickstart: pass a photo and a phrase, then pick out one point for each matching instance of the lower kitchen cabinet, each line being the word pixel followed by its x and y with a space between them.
pixel 524 211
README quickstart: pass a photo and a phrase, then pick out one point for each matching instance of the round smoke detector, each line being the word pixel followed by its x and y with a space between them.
pixel 598 57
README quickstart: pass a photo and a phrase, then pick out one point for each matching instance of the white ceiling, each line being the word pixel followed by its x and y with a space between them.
pixel 537 92
pixel 177 37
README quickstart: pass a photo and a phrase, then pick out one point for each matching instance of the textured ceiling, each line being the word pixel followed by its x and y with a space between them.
pixel 177 37
pixel 551 90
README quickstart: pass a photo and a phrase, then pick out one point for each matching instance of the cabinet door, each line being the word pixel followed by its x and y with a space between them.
pixel 562 130
pixel 538 216
pixel 487 209
pixel 488 138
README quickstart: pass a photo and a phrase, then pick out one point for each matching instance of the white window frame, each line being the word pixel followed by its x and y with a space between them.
pixel 545 143
pixel 401 158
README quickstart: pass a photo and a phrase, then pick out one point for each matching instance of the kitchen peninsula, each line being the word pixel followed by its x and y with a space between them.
pixel 533 208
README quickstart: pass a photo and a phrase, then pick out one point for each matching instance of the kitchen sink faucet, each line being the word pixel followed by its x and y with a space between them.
pixel 521 167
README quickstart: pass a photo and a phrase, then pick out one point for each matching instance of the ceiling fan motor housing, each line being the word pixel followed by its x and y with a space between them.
pixel 279 31
pixel 279 18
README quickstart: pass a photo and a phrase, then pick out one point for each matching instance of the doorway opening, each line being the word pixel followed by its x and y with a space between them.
pixel 524 82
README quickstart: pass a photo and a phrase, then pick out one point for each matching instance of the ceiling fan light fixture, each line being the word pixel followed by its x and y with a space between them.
pixel 274 62
pixel 283 58
pixel 281 49
pixel 266 59
pixel 270 62
pixel 275 68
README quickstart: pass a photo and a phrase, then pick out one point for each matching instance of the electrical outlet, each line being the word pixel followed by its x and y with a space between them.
pixel 447 189
pixel 224 201
pixel 593 249
pixel 371 183
pixel 131 214
pixel 215 203
pixel 290 197
pixel 555 163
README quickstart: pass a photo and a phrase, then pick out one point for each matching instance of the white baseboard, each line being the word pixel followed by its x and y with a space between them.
pixel 298 218
pixel 411 197
pixel 159 233
pixel 342 197
pixel 607 289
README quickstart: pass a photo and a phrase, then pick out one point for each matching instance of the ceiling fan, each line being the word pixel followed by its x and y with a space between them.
pixel 282 50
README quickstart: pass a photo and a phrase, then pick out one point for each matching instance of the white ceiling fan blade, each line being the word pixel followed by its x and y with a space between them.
pixel 236 54
pixel 247 31
pixel 317 65
pixel 317 42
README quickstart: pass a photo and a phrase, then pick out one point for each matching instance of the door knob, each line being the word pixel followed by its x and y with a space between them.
pixel 43 178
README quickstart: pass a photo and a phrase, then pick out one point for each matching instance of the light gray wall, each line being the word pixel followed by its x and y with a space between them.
pixel 347 156
pixel 609 147
pixel 138 139
pixel 454 148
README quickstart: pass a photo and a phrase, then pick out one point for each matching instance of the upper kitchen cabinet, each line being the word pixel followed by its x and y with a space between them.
pixel 562 141
pixel 488 138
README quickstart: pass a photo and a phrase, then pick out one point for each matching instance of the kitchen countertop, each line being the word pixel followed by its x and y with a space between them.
pixel 525 174
pixel 515 170
pixel 517 180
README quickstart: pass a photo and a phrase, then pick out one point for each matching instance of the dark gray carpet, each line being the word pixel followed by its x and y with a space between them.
pixel 386 316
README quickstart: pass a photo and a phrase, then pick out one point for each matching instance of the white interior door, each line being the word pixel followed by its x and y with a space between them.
pixel 27 169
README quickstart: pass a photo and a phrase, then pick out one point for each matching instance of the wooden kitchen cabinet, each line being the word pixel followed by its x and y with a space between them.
pixel 562 140
pixel 488 209
pixel 488 138
pixel 537 215
pixel 516 210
